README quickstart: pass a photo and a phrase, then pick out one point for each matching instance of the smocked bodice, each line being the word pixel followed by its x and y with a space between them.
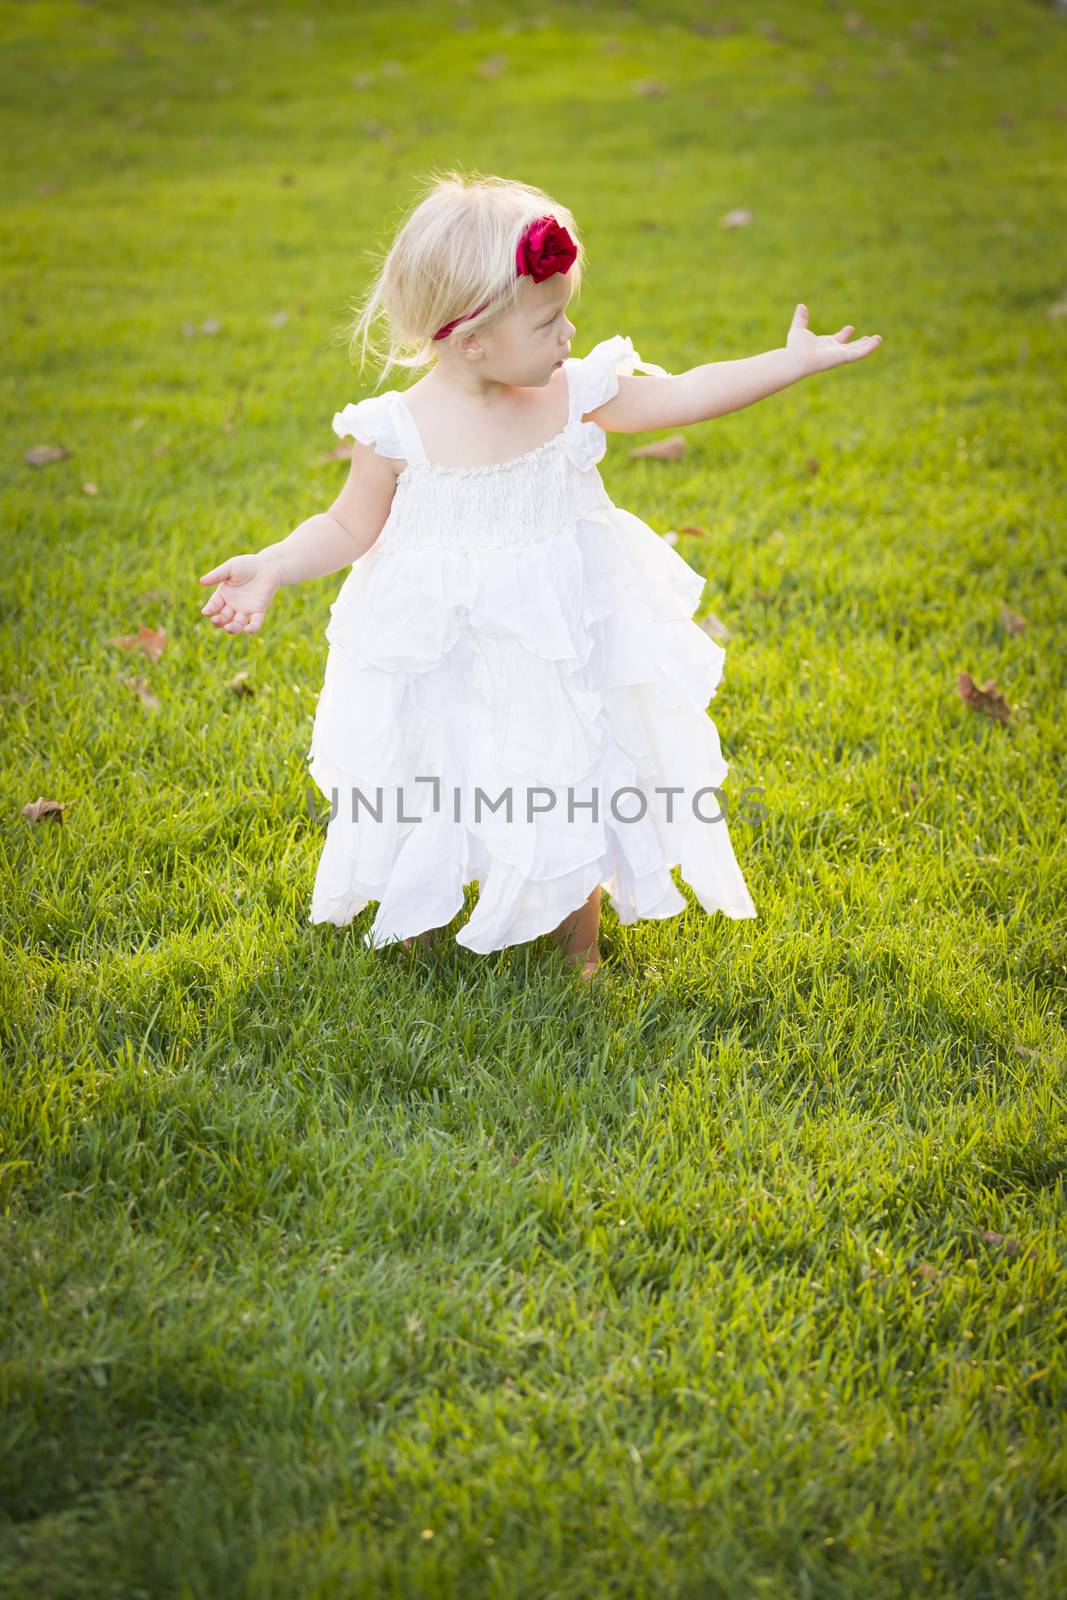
pixel 520 501
pixel 509 502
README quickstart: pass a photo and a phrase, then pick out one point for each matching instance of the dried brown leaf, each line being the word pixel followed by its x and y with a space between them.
pixel 151 640
pixel 671 449
pixel 140 688
pixel 1011 1247
pixel 41 454
pixel 717 629
pixel 1011 621
pixel 37 810
pixel 987 699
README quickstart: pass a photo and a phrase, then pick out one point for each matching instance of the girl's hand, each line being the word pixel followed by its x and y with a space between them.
pixel 821 351
pixel 246 587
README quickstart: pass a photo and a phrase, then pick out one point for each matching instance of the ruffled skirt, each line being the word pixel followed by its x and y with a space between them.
pixel 517 716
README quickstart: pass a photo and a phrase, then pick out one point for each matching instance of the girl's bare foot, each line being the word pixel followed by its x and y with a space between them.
pixel 589 962
pixel 578 934
pixel 425 939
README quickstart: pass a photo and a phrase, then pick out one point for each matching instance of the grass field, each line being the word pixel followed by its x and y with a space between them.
pixel 334 1273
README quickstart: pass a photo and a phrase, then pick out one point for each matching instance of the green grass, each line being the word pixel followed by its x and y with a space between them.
pixel 328 1273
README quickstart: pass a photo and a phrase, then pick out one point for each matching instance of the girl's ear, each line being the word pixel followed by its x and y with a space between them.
pixel 470 347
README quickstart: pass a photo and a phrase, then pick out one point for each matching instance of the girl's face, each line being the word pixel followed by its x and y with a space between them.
pixel 525 347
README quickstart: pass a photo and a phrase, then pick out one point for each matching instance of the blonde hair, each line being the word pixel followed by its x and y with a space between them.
pixel 454 251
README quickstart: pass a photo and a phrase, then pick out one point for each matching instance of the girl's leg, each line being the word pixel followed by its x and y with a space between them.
pixel 578 935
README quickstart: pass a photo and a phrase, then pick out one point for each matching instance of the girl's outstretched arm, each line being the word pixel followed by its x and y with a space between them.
pixel 718 387
pixel 323 543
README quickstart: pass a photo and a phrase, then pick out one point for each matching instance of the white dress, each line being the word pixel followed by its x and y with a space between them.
pixel 515 642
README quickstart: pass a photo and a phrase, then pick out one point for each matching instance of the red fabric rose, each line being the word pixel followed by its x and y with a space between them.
pixel 545 247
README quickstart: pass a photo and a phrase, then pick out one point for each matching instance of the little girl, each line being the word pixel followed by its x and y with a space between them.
pixel 516 691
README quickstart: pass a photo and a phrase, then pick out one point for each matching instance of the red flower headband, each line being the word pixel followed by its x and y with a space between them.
pixel 544 248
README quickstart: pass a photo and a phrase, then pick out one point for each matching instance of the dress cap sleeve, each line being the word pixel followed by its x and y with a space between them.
pixel 594 379
pixel 380 420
